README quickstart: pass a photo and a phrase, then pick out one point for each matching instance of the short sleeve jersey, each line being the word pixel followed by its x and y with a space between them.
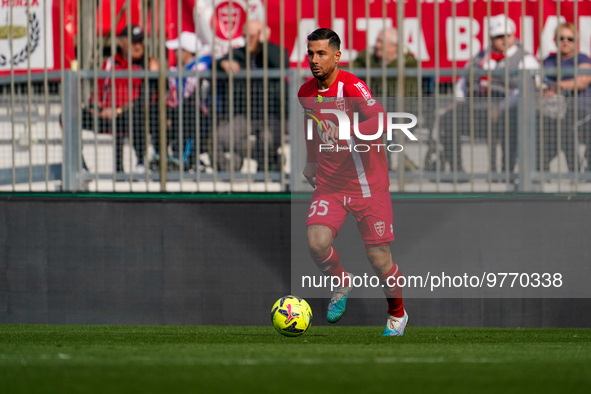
pixel 355 167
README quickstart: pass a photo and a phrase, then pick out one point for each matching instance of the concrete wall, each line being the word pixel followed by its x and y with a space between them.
pixel 74 260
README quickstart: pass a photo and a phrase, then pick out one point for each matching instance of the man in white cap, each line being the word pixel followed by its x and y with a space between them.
pixel 194 56
pixel 505 51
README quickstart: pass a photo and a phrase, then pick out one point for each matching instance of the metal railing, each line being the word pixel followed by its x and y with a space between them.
pixel 46 149
pixel 245 133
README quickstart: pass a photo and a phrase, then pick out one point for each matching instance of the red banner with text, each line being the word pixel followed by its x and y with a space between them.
pixel 434 40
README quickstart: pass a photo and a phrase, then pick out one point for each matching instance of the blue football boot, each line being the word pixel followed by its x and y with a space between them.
pixel 338 302
pixel 395 326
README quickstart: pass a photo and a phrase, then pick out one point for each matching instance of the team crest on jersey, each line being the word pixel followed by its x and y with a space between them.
pixel 341 104
pixel 379 227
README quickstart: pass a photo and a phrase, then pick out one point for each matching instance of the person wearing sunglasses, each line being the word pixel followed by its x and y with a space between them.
pixel 565 87
pixel 504 52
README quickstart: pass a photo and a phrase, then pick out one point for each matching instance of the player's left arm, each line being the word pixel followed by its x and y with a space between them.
pixel 368 108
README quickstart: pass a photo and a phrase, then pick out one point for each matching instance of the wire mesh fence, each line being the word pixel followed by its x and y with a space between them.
pixel 116 107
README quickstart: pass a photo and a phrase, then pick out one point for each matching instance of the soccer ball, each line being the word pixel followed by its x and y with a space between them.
pixel 291 316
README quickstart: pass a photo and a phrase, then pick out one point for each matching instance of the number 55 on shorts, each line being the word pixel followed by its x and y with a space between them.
pixel 318 207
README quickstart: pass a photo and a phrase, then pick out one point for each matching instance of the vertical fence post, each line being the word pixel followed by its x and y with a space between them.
pixel 297 133
pixel 71 154
pixel 531 131
pixel 526 134
pixel 162 94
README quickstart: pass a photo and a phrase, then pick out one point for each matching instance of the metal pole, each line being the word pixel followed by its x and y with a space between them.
pixel 492 158
pixel 65 119
pixel 112 86
pixel 79 59
pixel 400 103
pixel 46 95
pixel 283 104
pixel 576 101
pixel 508 132
pixel 71 132
pixel 231 95
pixel 28 129
pixel 437 72
pixel 198 130
pixel 130 108
pixel 457 147
pixel 146 132
pixel 471 99
pixel 420 92
pixel 13 136
pixel 214 92
pixel 95 67
pixel 266 102
pixel 248 105
pixel 349 32
pixel 367 45
pixel 180 92
pixel 541 114
pixel 161 93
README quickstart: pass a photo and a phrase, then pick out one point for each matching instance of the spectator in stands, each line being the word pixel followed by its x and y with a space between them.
pixel 117 108
pixel 556 90
pixel 257 34
pixel 505 51
pixel 194 56
pixel 386 51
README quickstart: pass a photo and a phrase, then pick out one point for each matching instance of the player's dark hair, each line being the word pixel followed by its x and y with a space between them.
pixel 326 34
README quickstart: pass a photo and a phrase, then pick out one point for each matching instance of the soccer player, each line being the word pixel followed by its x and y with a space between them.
pixel 347 178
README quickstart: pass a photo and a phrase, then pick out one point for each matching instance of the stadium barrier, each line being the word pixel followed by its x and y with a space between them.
pixel 187 259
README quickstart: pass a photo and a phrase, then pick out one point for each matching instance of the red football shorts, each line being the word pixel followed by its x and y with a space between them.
pixel 373 214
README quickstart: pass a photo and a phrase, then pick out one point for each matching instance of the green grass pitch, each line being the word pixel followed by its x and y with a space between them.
pixel 206 359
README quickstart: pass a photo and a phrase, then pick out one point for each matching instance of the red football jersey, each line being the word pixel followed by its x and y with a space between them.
pixel 355 167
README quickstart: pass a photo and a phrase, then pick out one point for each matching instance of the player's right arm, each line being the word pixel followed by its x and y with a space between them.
pixel 311 146
pixel 311 163
pixel 310 173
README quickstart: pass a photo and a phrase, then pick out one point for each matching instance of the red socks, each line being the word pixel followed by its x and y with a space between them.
pixel 330 265
pixel 392 291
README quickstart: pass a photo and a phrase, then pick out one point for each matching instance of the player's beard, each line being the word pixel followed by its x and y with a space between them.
pixel 321 74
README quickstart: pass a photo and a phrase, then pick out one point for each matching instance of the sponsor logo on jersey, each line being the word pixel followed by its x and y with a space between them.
pixel 366 94
pixel 363 90
pixel 321 99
